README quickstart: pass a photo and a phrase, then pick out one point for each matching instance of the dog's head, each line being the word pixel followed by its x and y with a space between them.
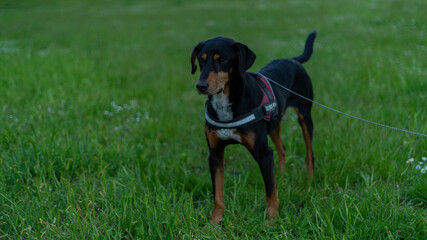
pixel 219 58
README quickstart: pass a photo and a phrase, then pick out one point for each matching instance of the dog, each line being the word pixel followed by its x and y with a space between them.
pixel 244 107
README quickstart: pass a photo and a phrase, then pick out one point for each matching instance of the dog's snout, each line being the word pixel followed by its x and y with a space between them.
pixel 202 86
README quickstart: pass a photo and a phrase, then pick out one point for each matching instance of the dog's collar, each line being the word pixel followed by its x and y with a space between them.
pixel 267 110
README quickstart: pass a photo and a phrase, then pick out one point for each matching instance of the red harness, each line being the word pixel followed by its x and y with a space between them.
pixel 268 94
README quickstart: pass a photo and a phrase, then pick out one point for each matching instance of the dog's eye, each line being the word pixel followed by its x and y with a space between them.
pixel 221 60
pixel 202 58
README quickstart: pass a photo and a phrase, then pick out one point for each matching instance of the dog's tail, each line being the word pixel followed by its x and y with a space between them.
pixel 308 49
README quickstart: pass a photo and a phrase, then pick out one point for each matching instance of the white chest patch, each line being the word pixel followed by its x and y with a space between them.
pixel 222 107
pixel 228 134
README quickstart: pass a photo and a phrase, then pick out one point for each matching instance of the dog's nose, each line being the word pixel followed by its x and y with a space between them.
pixel 202 86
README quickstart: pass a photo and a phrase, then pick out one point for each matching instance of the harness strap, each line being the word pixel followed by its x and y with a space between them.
pixel 266 89
pixel 242 121
pixel 268 98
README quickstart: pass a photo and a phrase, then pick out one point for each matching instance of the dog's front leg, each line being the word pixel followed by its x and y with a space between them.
pixel 263 154
pixel 216 166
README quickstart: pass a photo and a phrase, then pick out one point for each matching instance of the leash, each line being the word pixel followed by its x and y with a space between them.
pixel 346 114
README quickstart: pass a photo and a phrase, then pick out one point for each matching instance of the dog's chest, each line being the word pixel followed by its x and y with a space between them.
pixel 228 134
pixel 222 107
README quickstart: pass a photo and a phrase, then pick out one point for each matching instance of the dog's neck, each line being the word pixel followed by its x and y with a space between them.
pixel 221 104
pixel 239 99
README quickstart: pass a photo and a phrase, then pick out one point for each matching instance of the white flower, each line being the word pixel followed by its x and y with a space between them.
pixel 424 158
pixel 411 160
pixel 418 167
pixel 423 170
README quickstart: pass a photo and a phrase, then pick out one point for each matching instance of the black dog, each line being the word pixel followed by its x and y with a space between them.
pixel 243 107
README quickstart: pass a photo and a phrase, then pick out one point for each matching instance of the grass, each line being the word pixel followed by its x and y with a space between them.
pixel 101 129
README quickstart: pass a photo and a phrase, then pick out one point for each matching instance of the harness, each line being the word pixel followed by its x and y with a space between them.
pixel 268 110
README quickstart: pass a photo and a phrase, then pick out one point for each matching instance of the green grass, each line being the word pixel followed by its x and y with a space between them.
pixel 101 128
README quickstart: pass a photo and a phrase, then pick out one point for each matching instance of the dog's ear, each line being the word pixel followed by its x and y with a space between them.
pixel 246 57
pixel 196 51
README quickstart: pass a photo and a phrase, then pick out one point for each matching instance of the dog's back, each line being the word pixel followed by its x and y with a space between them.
pixel 291 74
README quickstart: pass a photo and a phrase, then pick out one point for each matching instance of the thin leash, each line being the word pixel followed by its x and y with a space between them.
pixel 348 115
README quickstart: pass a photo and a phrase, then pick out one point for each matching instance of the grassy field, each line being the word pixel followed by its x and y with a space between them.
pixel 101 128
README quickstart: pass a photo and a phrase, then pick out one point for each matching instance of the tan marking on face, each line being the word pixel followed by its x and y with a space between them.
pixel 216 56
pixel 217 81
pixel 226 89
pixel 204 56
